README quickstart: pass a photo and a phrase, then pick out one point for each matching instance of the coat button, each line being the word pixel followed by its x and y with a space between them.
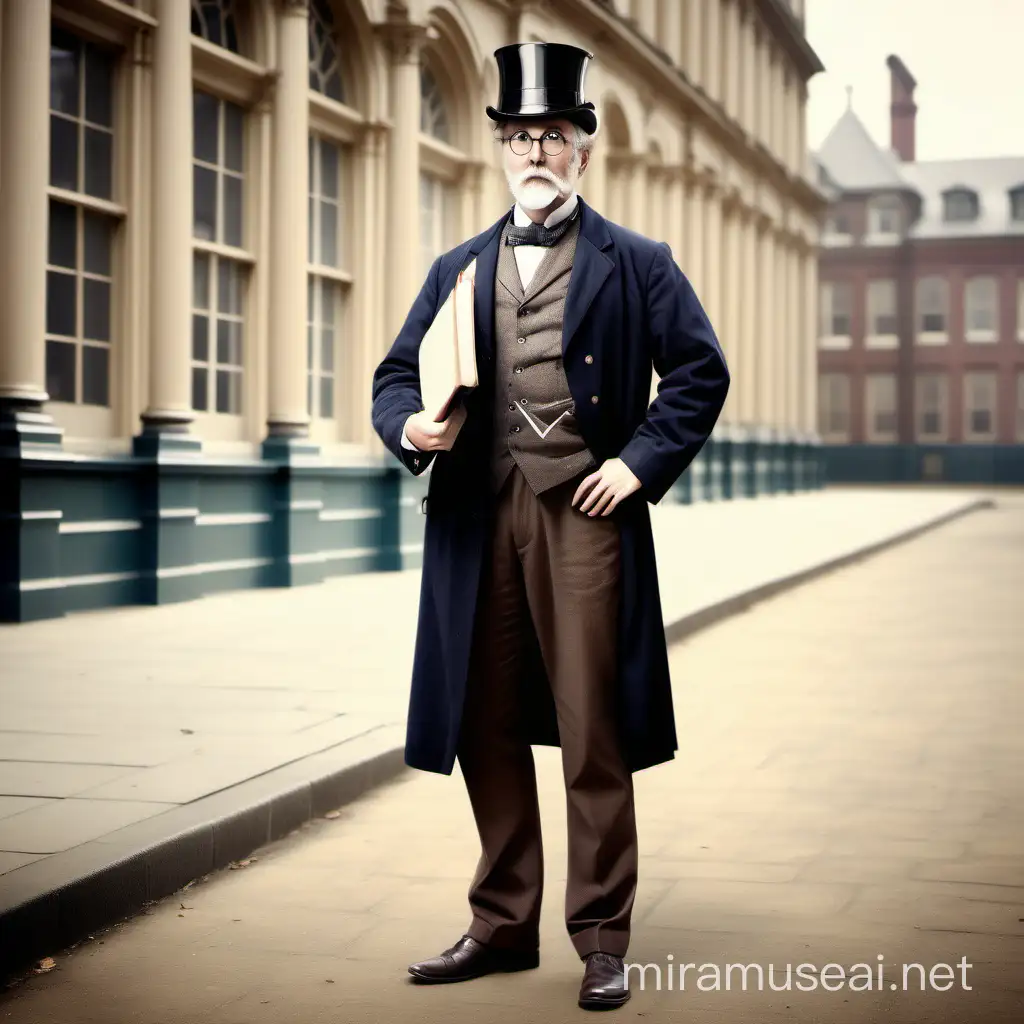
pixel 522 341
pixel 511 407
pixel 525 401
pixel 519 369
pixel 525 311
pixel 588 360
pixel 515 429
pixel 593 398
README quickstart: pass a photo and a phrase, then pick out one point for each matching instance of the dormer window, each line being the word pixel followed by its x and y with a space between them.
pixel 884 218
pixel 1017 204
pixel 959 204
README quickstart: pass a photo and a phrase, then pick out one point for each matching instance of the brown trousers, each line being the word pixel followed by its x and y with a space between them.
pixel 555 567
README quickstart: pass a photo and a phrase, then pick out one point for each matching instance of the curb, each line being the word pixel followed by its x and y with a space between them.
pixel 59 900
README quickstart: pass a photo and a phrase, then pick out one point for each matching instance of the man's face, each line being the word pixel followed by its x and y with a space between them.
pixel 537 179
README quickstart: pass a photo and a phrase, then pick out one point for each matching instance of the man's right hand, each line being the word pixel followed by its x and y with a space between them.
pixel 429 436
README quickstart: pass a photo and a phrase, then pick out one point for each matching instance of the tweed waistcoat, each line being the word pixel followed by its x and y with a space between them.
pixel 534 414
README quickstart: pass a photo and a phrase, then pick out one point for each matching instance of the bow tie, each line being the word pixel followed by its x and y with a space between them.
pixel 537 234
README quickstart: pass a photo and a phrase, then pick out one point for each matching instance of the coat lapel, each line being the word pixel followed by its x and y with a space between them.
pixel 485 249
pixel 590 270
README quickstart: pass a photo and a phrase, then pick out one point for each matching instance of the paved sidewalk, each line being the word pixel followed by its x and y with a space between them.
pixel 849 786
pixel 143 747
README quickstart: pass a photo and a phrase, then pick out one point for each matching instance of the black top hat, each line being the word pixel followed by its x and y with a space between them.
pixel 542 80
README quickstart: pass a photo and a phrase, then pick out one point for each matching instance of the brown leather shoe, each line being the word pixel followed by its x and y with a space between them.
pixel 469 958
pixel 604 982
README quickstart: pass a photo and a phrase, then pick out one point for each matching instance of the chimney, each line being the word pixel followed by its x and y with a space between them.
pixel 902 109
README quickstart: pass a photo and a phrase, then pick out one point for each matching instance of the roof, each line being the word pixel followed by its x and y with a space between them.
pixel 855 162
pixel 993 179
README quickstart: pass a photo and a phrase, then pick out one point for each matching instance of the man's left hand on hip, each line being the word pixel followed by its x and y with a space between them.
pixel 609 485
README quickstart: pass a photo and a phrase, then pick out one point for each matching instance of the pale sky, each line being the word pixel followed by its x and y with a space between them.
pixel 967 58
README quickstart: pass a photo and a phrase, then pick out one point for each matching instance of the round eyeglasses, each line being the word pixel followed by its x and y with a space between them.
pixel 521 142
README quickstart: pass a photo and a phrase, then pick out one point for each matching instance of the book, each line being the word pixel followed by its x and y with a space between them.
pixel 447 353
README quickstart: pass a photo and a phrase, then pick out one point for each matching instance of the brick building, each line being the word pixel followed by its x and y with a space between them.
pixel 921 313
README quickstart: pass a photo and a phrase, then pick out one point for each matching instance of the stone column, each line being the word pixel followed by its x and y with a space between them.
pixel 767 347
pixel 402 263
pixel 671 31
pixel 809 336
pixel 639 198
pixel 168 413
pixel 24 175
pixel 712 51
pixel 287 413
pixel 694 266
pixel 645 14
pixel 729 309
pixel 693 49
pixel 713 254
pixel 731 71
pixel 750 351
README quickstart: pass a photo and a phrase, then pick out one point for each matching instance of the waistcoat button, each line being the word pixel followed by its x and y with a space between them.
pixel 589 359
pixel 515 429
pixel 593 398
pixel 512 408
pixel 522 341
pixel 525 401
pixel 519 369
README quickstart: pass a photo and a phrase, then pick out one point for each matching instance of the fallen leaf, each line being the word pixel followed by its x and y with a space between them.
pixel 333 814
pixel 46 964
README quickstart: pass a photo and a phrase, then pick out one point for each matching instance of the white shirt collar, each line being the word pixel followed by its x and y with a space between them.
pixel 521 218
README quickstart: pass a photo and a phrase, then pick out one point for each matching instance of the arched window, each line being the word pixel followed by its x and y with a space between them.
pixel 433 110
pixel 324 60
pixel 216 22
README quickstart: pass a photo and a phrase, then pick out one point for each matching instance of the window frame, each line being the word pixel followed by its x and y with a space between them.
pixel 830 340
pixel 881 339
pixel 872 434
pixel 931 337
pixel 827 409
pixel 991 381
pixel 972 286
pixel 921 379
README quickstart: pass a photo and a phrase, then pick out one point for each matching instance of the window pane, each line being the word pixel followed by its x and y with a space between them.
pixel 64 71
pixel 99 163
pixel 327 397
pixel 309 346
pixel 229 343
pixel 201 280
pixel 200 338
pixel 99 87
pixel 200 398
pixel 96 310
pixel 229 398
pixel 328 234
pixel 63 153
pixel 327 350
pixel 60 303
pixel 311 235
pixel 229 287
pixel 204 183
pixel 234 137
pixel 60 371
pixel 62 229
pixel 205 110
pixel 329 173
pixel 328 299
pixel 98 240
pixel 232 210
pixel 204 126
pixel 95 375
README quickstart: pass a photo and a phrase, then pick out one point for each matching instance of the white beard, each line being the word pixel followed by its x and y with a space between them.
pixel 537 193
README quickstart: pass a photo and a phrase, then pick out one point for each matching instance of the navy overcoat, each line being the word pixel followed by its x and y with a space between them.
pixel 628 308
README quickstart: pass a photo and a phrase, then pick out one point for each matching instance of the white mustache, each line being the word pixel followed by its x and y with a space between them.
pixel 542 173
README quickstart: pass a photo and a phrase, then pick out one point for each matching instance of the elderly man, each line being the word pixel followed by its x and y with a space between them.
pixel 540 620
